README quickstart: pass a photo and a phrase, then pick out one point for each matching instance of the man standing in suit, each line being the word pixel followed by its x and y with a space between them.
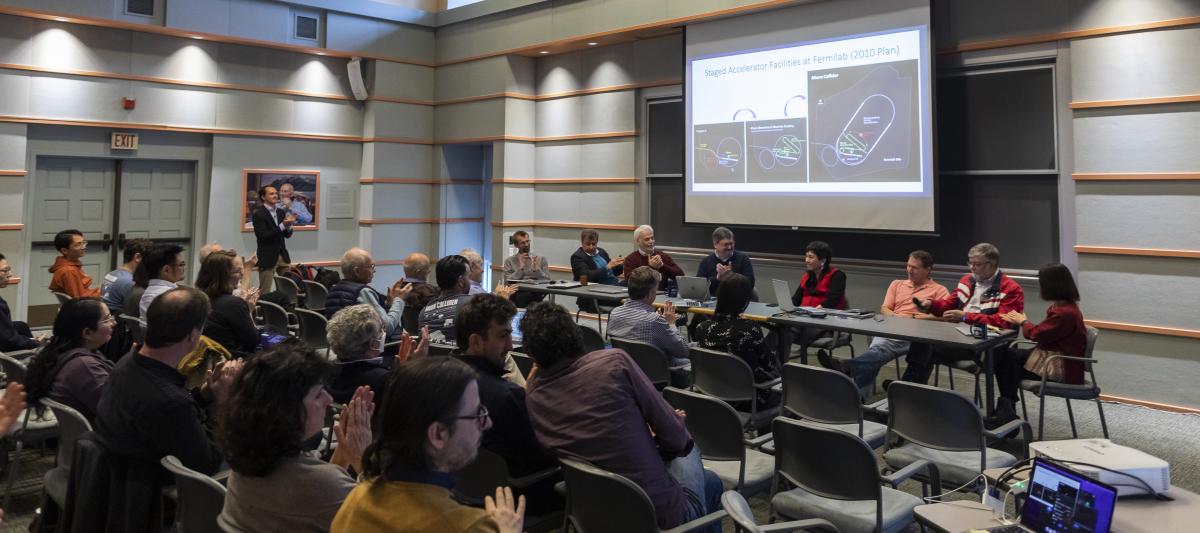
pixel 272 226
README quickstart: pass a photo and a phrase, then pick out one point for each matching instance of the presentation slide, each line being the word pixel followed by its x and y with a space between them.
pixel 833 132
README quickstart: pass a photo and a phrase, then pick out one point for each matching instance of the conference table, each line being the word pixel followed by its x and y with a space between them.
pixel 596 291
pixel 933 332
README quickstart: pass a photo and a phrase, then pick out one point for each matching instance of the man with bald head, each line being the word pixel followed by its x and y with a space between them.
pixel 416 274
pixel 358 270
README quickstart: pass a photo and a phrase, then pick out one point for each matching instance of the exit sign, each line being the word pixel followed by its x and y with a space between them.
pixel 124 141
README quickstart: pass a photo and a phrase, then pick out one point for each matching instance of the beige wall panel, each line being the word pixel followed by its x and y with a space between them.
pixel 12 146
pixel 480 36
pixel 459 235
pixel 395 241
pixel 1136 65
pixel 406 41
pixel 463 201
pixel 559 73
pixel 600 204
pixel 658 59
pixel 392 160
pixel 259 20
pixel 1097 13
pixel 625 13
pixel 16 44
pixel 684 8
pixel 254 111
pixel 979 20
pixel 472 119
pixel 398 79
pixel 607 65
pixel 474 78
pixel 62 45
pixel 182 59
pixel 608 112
pixel 1140 290
pixel 514 160
pixel 1137 139
pixel 559 160
pixel 12 202
pixel 387 119
pixel 348 32
pixel 304 72
pixel 211 16
pixel 569 18
pixel 86 99
pixel 15 87
pixel 520 117
pixel 161 104
pixel 517 202
pixel 399 200
pixel 1155 214
pixel 327 116
pixel 560 116
pixel 242 65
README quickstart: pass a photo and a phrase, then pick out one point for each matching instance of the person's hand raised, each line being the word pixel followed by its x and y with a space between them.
pixel 399 289
pixel 353 431
pixel 656 261
pixel 505 291
pixel 509 513
pixel 616 262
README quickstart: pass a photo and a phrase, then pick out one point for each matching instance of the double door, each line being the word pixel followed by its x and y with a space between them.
pixel 110 201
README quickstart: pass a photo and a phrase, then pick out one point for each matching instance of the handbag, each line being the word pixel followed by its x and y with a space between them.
pixel 1039 363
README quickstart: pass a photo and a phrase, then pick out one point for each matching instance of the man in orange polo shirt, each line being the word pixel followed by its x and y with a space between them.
pixel 897 302
pixel 67 270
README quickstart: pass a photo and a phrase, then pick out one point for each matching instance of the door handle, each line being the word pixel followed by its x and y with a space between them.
pixel 120 241
pixel 107 242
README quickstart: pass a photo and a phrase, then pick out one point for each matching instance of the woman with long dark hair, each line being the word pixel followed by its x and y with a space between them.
pixel 270 428
pixel 69 369
pixel 728 332
pixel 231 321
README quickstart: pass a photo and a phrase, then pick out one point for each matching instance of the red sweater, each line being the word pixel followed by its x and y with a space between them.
pixel 1003 296
pixel 1062 331
pixel 669 269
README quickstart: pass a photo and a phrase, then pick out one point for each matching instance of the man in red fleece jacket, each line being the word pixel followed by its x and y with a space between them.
pixel 67 270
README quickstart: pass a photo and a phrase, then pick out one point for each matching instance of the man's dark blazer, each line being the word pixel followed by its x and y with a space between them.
pixel 272 243
pixel 582 264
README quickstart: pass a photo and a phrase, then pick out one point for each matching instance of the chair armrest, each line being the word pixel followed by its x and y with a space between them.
pixel 1025 342
pixel 22 354
pixel 768 384
pixel 896 478
pixel 811 523
pixel 1008 429
pixel 534 478
pixel 222 476
pixel 760 441
pixel 698 523
pixel 880 408
pixel 677 368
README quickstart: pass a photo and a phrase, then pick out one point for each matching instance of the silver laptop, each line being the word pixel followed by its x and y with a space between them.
pixel 693 288
pixel 607 289
pixel 783 295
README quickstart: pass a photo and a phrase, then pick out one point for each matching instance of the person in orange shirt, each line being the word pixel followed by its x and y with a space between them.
pixel 67 270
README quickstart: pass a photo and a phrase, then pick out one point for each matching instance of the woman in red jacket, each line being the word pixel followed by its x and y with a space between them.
pixel 1061 333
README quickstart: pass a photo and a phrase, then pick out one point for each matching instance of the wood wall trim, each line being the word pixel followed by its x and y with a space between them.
pixel 420 181
pixel 1142 328
pixel 1141 252
pixel 547 224
pixel 562 181
pixel 526 138
pixel 561 94
pixel 1136 176
pixel 1153 405
pixel 402 100
pixel 552 268
pixel 214 131
pixel 189 34
pixel 1126 102
pixel 385 221
pixel 15 173
pixel 1068 35
pixel 338 263
pixel 12 227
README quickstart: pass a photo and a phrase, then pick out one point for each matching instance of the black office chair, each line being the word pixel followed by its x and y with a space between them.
pixel 289 288
pixel 276 318
pixel 625 506
pixel 524 362
pixel 201 498
pixel 743 518
pixel 717 430
pixel 312 330
pixel 728 378
pixel 314 296
pixel 71 424
pixel 653 363
pixel 828 398
pixel 592 340
pixel 488 471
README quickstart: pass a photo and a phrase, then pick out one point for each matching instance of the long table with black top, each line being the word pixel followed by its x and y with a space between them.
pixel 932 332
pixel 585 291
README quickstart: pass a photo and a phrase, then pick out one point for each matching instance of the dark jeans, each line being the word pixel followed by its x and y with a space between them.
pixel 921 361
pixel 524 299
pixel 1010 370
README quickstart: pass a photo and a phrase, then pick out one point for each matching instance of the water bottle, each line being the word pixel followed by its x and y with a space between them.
pixel 672 288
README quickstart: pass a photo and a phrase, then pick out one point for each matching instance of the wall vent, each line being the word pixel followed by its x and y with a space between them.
pixel 306 27
pixel 140 7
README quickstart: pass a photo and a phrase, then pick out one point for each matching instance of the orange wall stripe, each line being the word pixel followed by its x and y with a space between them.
pixel 401 100
pixel 420 181
pixel 526 138
pixel 545 224
pixel 1067 35
pixel 552 268
pixel 1153 405
pixel 1124 102
pixel 562 94
pixel 336 263
pixel 12 227
pixel 1133 176
pixel 381 221
pixel 1141 328
pixel 1143 252
pixel 176 32
pixel 217 131
pixel 560 181
pixel 17 173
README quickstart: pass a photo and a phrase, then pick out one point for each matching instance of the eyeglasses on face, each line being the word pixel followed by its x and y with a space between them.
pixel 480 417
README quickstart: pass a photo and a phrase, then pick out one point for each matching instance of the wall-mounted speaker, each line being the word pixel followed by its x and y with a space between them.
pixel 354 71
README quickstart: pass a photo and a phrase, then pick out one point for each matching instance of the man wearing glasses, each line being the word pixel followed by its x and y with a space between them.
pixel 165 267
pixel 358 271
pixel 14 336
pixel 67 270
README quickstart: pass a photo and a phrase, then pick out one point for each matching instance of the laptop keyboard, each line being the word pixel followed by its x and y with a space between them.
pixel 1006 529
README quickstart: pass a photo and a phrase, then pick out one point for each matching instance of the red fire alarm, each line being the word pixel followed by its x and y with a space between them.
pixel 128 103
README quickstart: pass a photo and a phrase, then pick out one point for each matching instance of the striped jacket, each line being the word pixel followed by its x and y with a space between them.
pixel 1003 296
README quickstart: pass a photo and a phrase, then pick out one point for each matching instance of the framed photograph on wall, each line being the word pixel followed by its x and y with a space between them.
pixel 298 191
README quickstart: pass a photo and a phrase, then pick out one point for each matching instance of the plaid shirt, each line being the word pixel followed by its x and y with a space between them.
pixel 639 321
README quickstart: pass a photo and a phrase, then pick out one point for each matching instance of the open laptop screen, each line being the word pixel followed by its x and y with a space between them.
pixel 1062 501
pixel 516 326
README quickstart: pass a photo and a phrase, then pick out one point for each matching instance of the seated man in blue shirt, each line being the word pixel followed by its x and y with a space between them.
pixel 723 261
pixel 592 261
pixel 119 282
pixel 637 320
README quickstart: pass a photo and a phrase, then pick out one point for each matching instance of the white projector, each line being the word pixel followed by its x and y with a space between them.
pixel 1121 462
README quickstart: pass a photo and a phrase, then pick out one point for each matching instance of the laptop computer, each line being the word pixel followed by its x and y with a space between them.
pixel 693 288
pixel 783 295
pixel 1060 500
pixel 607 289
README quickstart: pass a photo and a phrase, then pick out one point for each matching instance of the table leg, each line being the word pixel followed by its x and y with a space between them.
pixel 782 348
pixel 989 374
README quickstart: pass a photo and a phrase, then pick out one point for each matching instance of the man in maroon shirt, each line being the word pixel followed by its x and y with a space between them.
pixel 601 409
pixel 647 255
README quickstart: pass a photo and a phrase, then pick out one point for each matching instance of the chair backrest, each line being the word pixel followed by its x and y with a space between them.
pixel 312 327
pixel 821 395
pixel 592 340
pixel 200 498
pixel 481 477
pixel 1092 333
pixel 524 362
pixel 649 358
pixel 71 424
pixel 275 317
pixel 587 486
pixel 288 287
pixel 933 417
pixel 826 462
pixel 62 297
pixel 315 294
pixel 722 375
pixel 134 325
pixel 13 369
pixel 714 425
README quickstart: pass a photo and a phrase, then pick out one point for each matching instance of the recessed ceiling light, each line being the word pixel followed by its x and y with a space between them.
pixel 320 53
pixel 60 19
pixel 593 43
pixel 544 52
pixel 197 37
